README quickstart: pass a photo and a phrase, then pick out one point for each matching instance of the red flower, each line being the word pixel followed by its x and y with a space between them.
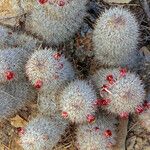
pixel 107 133
pixel 146 104
pixel 124 115
pixel 57 56
pixel 139 109
pixel 38 84
pixel 110 79
pixel 90 118
pixel 43 1
pixel 61 3
pixel 96 129
pixel 64 114
pixel 20 131
pixel 102 102
pixel 123 72
pixel 9 75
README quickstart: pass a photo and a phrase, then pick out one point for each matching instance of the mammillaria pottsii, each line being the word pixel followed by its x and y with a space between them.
pixel 77 102
pixel 97 136
pixel 55 21
pixel 122 92
pixel 43 133
pixel 12 65
pixel 14 96
pixel 115 38
pixel 11 39
pixel 49 101
pixel 48 69
pixel 15 49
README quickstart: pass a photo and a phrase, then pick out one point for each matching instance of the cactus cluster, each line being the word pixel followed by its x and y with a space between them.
pixel 122 92
pixel 115 38
pixel 62 97
pixel 42 133
pixel 99 135
pixel 15 90
pixel 54 21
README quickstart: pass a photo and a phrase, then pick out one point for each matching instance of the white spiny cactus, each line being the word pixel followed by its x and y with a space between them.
pixel 56 20
pixel 14 96
pixel 47 102
pixel 77 102
pixel 97 136
pixel 48 69
pixel 43 133
pixel 122 92
pixel 10 39
pixel 12 64
pixel 115 38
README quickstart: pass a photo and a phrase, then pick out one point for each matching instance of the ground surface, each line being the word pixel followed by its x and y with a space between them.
pixel 79 51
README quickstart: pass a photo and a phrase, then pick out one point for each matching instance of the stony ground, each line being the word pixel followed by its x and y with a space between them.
pixel 79 51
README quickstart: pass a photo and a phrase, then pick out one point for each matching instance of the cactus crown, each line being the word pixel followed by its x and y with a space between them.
pixel 62 18
pixel 116 38
pixel 99 135
pixel 43 133
pixel 122 92
pixel 48 69
pixel 77 102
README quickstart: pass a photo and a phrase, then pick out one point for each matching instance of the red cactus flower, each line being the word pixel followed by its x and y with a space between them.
pixel 20 131
pixel 61 3
pixel 96 129
pixel 9 75
pixel 124 115
pixel 146 104
pixel 64 114
pixel 107 133
pixel 123 72
pixel 43 1
pixel 38 84
pixel 90 118
pixel 102 102
pixel 139 109
pixel 57 56
pixel 110 79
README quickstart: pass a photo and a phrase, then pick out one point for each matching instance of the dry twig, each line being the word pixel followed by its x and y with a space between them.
pixel 145 5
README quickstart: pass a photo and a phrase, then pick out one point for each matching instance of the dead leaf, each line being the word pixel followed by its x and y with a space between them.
pixel 145 50
pixel 117 1
pixel 9 11
pixel 18 122
pixel 9 8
